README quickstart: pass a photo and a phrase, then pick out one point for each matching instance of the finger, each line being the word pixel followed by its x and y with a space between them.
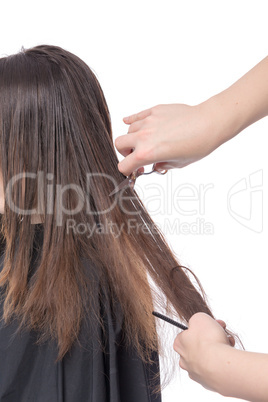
pixel 182 363
pixel 129 164
pixel 141 169
pixel 159 166
pixel 176 344
pixel 137 116
pixel 231 340
pixel 125 143
pixel 134 127
pixel 222 323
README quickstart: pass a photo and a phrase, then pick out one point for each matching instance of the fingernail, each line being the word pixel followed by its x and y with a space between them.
pixel 126 118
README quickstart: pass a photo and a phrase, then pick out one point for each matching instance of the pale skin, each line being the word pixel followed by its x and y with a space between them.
pixel 173 136
pixel 210 360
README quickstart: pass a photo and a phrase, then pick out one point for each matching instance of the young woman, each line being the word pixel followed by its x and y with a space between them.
pixel 76 303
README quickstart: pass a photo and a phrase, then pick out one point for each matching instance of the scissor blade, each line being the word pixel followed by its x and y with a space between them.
pixel 123 184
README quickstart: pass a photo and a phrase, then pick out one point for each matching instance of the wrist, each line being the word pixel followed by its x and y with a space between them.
pixel 224 117
pixel 240 105
pixel 223 366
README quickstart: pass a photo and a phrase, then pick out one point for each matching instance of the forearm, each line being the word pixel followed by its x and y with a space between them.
pixel 240 374
pixel 240 105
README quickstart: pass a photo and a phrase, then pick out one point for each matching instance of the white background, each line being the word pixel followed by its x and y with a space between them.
pixel 150 52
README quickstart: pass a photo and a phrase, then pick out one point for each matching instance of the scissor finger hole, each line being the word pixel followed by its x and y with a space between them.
pixel 163 172
pixel 148 169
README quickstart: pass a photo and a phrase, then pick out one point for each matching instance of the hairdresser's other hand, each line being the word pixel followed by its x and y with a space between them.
pixel 199 347
pixel 172 136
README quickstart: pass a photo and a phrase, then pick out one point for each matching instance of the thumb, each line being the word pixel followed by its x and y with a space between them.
pixel 222 323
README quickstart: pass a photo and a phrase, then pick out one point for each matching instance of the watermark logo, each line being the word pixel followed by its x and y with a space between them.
pixel 183 204
pixel 245 201
pixel 197 227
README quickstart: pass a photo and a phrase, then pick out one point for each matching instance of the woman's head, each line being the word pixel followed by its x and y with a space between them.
pixel 54 119
pixel 58 160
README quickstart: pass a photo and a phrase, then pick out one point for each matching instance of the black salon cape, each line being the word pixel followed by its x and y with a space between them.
pixel 28 372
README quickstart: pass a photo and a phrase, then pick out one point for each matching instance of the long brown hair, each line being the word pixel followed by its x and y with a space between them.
pixel 54 119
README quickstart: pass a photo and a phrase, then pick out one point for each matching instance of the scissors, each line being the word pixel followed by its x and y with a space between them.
pixel 131 179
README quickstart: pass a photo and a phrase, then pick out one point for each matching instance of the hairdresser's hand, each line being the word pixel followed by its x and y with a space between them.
pixel 177 135
pixel 171 135
pixel 199 347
